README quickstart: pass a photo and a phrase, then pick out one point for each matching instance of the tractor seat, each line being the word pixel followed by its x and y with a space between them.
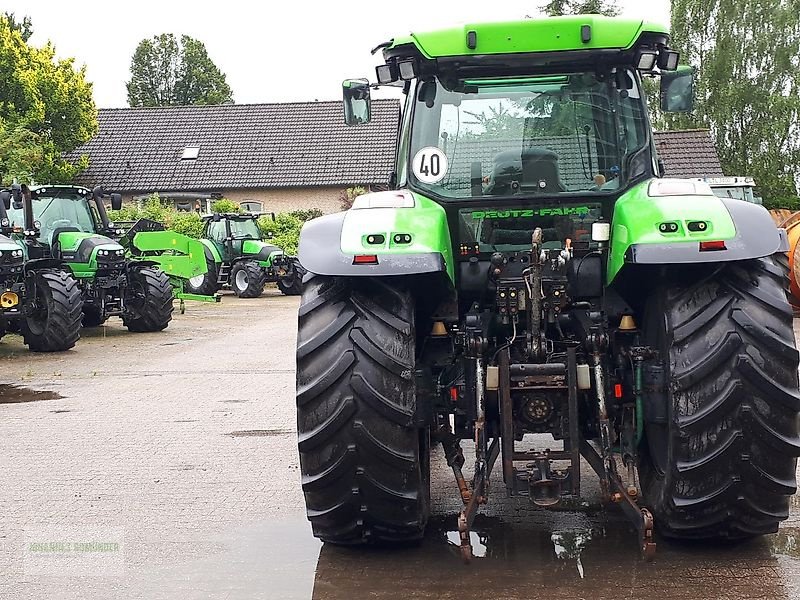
pixel 529 167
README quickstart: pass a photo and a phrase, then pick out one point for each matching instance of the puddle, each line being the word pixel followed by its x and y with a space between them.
pixel 12 394
pixel 260 432
pixel 786 542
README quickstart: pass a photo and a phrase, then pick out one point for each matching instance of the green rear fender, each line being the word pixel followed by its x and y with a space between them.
pixel 663 221
pixel 212 250
pixel 406 233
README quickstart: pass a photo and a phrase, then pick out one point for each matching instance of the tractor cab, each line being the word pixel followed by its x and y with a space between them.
pixel 68 223
pixel 236 235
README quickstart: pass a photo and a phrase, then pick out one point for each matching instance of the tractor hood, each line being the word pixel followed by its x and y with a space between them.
pixel 260 250
pixel 83 250
pixel 7 244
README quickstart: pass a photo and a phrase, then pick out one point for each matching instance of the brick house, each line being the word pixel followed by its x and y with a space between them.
pixel 276 157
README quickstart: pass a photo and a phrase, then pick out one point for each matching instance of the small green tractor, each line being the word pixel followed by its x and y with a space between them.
pixel 125 273
pixel 38 297
pixel 531 273
pixel 236 256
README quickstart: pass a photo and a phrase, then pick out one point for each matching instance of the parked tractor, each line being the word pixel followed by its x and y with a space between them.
pixel 236 256
pixel 531 272
pixel 39 298
pixel 70 225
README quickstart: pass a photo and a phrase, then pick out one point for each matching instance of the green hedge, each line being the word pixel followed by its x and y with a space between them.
pixel 285 229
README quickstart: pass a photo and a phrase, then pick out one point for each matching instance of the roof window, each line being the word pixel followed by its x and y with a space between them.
pixel 190 153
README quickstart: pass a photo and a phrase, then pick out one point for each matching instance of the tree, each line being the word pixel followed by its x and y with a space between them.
pixel 165 72
pixel 46 110
pixel 746 53
pixel 555 8
pixel 25 27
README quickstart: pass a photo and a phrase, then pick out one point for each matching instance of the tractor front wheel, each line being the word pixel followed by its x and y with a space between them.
pixel 53 307
pixel 720 461
pixel 148 300
pixel 205 284
pixel 364 458
pixel 247 279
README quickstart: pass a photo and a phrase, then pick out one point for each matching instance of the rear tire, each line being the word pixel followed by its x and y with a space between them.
pixel 55 323
pixel 248 279
pixel 723 464
pixel 363 458
pixel 92 316
pixel 207 286
pixel 292 284
pixel 148 300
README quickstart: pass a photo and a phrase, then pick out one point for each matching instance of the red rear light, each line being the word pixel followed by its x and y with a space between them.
pixel 617 391
pixel 716 245
pixel 365 259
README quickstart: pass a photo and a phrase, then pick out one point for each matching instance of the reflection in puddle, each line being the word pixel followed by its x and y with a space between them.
pixel 569 545
pixel 786 542
pixel 478 543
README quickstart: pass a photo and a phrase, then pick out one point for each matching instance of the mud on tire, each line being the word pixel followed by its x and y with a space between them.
pixel 148 300
pixel 55 322
pixel 364 461
pixel 723 464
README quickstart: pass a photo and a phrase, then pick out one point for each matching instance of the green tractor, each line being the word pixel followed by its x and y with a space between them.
pixel 39 297
pixel 236 256
pixel 129 278
pixel 531 272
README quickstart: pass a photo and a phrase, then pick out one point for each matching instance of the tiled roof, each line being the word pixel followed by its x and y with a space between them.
pixel 241 146
pixel 688 153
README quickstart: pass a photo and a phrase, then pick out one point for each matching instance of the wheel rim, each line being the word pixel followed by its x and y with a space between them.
pixel 241 279
pixel 197 280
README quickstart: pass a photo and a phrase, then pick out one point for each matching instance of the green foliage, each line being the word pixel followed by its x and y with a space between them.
pixel 21 153
pixel 347 196
pixel 165 72
pixel 791 203
pixel 285 230
pixel 748 85
pixel 47 97
pixel 555 8
pixel 25 27
pixel 187 223
pixel 224 205
pixel 307 215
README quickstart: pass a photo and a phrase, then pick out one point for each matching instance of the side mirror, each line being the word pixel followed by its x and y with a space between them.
pixel 5 197
pixel 272 214
pixel 355 93
pixel 677 90
pixel 116 201
pixel 16 193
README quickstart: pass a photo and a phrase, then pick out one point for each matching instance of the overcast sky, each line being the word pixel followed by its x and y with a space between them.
pixel 270 51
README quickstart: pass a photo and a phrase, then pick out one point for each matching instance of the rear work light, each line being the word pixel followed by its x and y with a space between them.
pixel 365 259
pixel 710 246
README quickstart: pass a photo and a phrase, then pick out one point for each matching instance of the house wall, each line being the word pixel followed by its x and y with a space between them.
pixel 287 199
pixel 280 199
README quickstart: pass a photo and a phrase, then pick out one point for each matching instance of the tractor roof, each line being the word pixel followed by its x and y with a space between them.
pixel 551 34
pixel 505 48
pixel 232 216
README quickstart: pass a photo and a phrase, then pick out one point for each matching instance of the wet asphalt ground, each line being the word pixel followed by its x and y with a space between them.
pixel 164 466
